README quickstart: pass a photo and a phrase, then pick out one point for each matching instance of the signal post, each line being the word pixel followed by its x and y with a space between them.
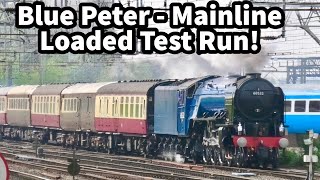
pixel 310 158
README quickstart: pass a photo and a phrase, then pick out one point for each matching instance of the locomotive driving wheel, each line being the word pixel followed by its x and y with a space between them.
pixel 207 155
pixel 217 156
pixel 239 160
pixel 226 158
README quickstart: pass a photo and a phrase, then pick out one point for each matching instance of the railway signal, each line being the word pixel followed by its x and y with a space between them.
pixel 73 167
pixel 310 158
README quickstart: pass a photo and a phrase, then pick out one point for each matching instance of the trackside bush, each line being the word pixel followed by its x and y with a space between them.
pixel 290 158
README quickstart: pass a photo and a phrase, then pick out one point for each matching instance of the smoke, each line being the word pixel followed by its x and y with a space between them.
pixel 188 65
pixel 171 156
pixel 238 63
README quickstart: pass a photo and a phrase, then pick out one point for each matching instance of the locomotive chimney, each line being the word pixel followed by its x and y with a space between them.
pixel 253 75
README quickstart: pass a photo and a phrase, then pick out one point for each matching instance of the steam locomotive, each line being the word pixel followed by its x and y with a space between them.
pixel 235 120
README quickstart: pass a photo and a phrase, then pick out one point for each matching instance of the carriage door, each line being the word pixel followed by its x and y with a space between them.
pixel 86 114
pixel 181 112
pixel 78 112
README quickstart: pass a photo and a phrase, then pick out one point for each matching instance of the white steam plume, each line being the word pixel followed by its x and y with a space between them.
pixel 186 66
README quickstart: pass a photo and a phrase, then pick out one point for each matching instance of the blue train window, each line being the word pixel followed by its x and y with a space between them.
pixel 300 106
pixel 287 106
pixel 314 106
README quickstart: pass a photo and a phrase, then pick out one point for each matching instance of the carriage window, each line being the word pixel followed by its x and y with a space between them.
pixel 300 106
pixel 1 104
pixel 76 105
pixel 54 105
pixel 41 104
pixel 36 104
pixel 121 106
pixel 64 105
pixel 107 110
pixel 100 105
pixel 69 105
pixel 131 106
pixel 126 109
pixel 73 105
pixel 88 104
pixel 287 106
pixel 137 107
pixel 314 106
pixel 114 106
pixel 24 104
pixel 45 105
pixel 144 108
pixel 50 105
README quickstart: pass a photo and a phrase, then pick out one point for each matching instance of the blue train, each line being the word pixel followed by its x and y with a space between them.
pixel 302 110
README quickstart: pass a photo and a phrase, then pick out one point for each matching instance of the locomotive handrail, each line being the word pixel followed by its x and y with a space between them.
pixel 205 119
pixel 224 125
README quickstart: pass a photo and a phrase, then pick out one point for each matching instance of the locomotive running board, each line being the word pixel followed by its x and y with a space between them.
pixel 205 119
pixel 224 125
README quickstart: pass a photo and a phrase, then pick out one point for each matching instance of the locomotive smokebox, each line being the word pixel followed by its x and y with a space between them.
pixel 253 75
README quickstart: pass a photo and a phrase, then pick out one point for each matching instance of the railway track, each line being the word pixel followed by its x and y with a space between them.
pixel 26 176
pixel 123 163
pixel 59 169
pixel 145 163
pixel 138 165
pixel 293 175
pixel 105 165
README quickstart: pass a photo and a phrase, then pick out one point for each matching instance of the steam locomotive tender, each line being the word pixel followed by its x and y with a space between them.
pixel 212 119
